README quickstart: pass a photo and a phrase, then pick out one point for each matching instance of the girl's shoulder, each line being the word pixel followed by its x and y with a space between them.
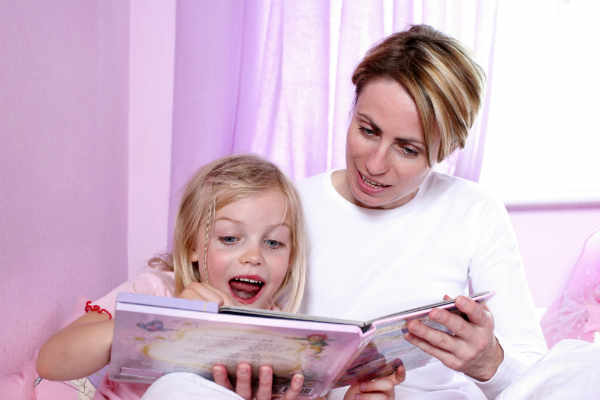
pixel 154 281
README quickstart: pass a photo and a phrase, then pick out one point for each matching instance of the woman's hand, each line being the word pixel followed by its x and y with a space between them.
pixel 377 389
pixel 472 349
pixel 243 384
pixel 205 292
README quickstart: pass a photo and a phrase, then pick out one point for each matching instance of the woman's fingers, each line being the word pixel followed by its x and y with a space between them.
pixel 445 356
pixel 470 348
pixel 432 336
pixel 476 312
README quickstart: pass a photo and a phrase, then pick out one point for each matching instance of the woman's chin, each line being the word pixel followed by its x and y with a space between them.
pixel 366 200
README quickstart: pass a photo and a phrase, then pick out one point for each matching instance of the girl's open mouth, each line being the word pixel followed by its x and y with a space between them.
pixel 246 289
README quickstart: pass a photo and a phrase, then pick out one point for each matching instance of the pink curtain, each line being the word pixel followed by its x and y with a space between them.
pixel 272 77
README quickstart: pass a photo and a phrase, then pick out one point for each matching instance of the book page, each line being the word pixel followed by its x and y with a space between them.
pixel 387 348
pixel 146 346
pixel 386 351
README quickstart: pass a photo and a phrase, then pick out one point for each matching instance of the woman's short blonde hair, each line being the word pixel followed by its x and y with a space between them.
pixel 218 184
pixel 442 79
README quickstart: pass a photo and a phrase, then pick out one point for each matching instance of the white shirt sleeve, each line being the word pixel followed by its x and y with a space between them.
pixel 497 264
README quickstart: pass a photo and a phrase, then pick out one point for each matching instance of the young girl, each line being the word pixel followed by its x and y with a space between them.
pixel 238 240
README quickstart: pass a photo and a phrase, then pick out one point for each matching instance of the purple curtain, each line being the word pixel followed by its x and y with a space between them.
pixel 272 77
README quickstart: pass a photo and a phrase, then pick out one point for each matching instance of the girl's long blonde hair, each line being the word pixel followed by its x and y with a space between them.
pixel 216 185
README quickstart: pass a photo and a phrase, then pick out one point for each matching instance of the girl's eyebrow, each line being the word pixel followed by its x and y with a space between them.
pixel 235 221
pixel 283 224
pixel 270 227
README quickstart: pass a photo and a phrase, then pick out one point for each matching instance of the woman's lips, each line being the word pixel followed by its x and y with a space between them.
pixel 370 186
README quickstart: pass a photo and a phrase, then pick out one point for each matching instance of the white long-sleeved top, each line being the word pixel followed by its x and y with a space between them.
pixel 452 238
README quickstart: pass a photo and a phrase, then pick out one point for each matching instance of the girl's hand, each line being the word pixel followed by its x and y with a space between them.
pixel 203 291
pixel 243 384
pixel 377 389
pixel 472 349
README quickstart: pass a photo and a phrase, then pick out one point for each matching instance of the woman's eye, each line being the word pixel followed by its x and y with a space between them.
pixel 228 239
pixel 410 151
pixel 273 244
pixel 367 131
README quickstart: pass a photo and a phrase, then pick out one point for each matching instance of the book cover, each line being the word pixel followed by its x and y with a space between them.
pixel 157 335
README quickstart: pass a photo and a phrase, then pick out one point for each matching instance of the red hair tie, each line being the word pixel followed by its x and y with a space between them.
pixel 96 308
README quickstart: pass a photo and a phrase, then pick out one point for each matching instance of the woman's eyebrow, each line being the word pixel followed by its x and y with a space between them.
pixel 370 121
pixel 400 140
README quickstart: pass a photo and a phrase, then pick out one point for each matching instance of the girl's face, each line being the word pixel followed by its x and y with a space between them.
pixel 249 249
pixel 386 158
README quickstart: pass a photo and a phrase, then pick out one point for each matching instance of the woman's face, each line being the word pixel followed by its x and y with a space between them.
pixel 386 157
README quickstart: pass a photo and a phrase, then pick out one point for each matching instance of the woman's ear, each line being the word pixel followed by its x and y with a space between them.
pixel 194 257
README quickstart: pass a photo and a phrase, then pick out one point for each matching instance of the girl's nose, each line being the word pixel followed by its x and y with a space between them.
pixel 252 256
pixel 377 162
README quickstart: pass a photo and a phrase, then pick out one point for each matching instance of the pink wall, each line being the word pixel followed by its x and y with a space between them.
pixel 551 239
pixel 151 73
pixel 85 119
pixel 63 163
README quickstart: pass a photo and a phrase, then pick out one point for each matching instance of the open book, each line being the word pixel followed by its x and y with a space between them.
pixel 157 335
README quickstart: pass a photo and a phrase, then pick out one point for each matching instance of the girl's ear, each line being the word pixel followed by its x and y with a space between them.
pixel 194 257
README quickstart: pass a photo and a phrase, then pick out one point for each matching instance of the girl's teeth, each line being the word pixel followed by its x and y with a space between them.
pixel 249 281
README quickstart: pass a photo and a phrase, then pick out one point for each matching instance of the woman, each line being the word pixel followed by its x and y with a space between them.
pixel 387 233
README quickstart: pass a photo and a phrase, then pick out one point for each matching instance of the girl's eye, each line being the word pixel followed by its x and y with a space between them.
pixel 273 244
pixel 228 239
pixel 367 131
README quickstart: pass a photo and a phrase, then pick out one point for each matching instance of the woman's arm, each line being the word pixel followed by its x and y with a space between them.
pixel 78 350
pixel 501 339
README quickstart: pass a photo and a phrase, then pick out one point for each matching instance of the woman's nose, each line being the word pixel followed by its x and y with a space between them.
pixel 377 162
